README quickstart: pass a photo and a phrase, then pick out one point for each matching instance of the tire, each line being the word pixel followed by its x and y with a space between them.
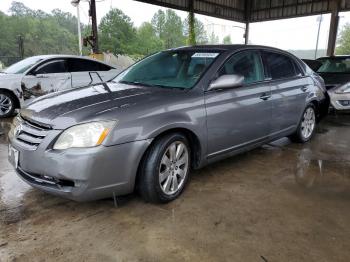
pixel 306 127
pixel 7 104
pixel 164 175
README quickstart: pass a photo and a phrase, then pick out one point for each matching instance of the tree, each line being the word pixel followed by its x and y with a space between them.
pixel 19 9
pixel 227 40
pixel 344 41
pixel 199 31
pixel 213 38
pixel 117 32
pixel 169 27
pixel 41 32
pixel 147 40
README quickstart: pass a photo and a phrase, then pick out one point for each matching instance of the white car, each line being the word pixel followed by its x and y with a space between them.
pixel 40 75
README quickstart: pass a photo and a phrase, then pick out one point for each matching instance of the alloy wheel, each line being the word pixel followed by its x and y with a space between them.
pixel 174 168
pixel 5 104
pixel 308 123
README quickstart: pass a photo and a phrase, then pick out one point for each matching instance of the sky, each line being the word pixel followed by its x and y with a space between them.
pixel 296 33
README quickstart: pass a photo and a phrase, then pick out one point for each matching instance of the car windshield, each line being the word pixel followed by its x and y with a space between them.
pixel 169 69
pixel 335 65
pixel 22 66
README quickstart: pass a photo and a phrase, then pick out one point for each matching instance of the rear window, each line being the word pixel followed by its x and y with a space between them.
pixel 279 66
pixel 334 65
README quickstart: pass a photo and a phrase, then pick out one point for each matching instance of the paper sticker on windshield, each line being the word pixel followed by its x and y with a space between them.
pixel 205 55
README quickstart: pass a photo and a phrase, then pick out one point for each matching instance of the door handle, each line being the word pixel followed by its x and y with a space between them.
pixel 304 88
pixel 41 77
pixel 265 96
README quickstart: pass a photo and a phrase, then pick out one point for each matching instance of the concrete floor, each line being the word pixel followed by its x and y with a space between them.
pixel 280 202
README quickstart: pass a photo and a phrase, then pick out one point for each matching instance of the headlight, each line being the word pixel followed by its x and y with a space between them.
pixel 343 89
pixel 84 135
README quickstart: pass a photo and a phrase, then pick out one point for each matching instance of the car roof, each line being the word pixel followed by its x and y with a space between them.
pixel 44 57
pixel 227 47
pixel 334 57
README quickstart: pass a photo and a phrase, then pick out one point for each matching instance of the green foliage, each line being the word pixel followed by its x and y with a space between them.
pixel 169 28
pixel 191 38
pixel 43 33
pixel 344 41
pixel 227 40
pixel 147 40
pixel 213 39
pixel 117 33
pixel 56 32
pixel 199 31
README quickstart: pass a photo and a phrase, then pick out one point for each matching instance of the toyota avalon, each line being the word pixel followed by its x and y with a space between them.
pixel 168 114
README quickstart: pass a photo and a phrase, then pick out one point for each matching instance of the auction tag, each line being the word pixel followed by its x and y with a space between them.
pixel 205 55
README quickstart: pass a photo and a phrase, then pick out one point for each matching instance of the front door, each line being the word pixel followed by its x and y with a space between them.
pixel 239 116
pixel 51 76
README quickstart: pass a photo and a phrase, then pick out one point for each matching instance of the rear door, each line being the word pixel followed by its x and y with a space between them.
pixel 50 76
pixel 85 72
pixel 241 116
pixel 288 88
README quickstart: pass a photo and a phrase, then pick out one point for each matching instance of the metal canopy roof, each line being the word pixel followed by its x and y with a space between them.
pixel 254 10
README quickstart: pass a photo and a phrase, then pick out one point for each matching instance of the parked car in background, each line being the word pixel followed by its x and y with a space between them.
pixel 40 75
pixel 335 71
pixel 172 112
pixel 313 64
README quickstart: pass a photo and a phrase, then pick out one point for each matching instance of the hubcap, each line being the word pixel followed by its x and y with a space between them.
pixel 5 104
pixel 173 168
pixel 308 123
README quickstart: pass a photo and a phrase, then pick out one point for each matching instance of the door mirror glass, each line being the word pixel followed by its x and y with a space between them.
pixel 227 81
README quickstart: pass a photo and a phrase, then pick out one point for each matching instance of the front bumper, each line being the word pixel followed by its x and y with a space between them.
pixel 80 174
pixel 339 101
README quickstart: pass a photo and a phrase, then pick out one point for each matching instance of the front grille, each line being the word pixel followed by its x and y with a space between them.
pixel 30 134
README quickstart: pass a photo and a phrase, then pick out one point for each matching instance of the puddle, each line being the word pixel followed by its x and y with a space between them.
pixel 327 174
pixel 12 191
pixel 4 129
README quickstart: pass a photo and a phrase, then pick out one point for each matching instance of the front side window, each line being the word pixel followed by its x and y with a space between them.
pixel 247 64
pixel 278 65
pixel 53 67
pixel 172 69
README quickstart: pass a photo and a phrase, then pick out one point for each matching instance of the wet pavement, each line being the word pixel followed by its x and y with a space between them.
pixel 280 202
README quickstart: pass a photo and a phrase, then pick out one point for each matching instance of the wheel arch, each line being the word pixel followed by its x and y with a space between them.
pixel 316 105
pixel 8 91
pixel 194 143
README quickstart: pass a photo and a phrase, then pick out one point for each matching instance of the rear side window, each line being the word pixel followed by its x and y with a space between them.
pixel 52 67
pixel 82 65
pixel 279 66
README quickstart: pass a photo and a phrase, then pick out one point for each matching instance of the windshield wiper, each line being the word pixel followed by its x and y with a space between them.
pixel 150 85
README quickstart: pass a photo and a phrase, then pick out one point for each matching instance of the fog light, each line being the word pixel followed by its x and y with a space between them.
pixel 344 102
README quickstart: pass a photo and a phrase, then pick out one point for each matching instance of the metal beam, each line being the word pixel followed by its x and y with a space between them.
pixel 333 29
pixel 248 9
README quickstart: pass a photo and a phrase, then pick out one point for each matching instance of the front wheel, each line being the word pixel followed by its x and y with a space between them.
pixel 165 169
pixel 306 127
pixel 7 104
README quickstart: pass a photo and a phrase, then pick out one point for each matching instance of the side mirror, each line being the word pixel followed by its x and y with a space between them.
pixel 226 81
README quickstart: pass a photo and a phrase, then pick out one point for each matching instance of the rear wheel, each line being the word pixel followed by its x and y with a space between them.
pixel 165 169
pixel 306 127
pixel 7 104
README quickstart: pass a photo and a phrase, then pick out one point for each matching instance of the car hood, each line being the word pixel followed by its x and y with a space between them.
pixel 4 76
pixel 64 109
pixel 334 79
